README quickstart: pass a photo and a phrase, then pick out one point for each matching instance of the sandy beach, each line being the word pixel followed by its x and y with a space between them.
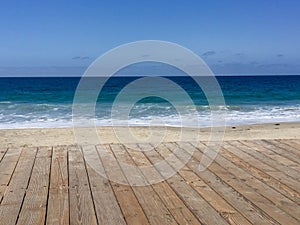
pixel 65 136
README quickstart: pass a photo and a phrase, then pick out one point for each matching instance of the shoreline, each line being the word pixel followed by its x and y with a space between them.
pixel 65 136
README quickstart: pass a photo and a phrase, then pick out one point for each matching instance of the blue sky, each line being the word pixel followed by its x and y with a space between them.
pixel 61 37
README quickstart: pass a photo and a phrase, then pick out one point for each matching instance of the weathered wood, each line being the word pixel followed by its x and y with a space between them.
pixel 249 182
pixel 234 198
pixel 290 185
pixel 34 206
pixel 244 183
pixel 127 200
pixel 106 205
pixel 231 215
pixel 277 154
pixel 7 167
pixel 176 206
pixel 295 144
pixel 197 204
pixel 2 153
pixel 288 147
pixel 283 149
pixel 241 160
pixel 190 178
pixel 58 200
pixel 16 190
pixel 155 210
pixel 81 204
pixel 288 151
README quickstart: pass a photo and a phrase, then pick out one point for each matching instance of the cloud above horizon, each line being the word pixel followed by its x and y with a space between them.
pixel 240 54
pixel 80 57
pixel 208 53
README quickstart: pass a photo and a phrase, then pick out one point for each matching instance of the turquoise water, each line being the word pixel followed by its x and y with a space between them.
pixel 47 102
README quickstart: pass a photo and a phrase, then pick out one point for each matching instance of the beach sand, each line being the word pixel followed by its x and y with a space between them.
pixel 65 136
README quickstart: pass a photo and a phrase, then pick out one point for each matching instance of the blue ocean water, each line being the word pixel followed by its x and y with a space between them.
pixel 47 102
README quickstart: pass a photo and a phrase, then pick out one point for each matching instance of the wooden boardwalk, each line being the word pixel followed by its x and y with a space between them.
pixel 250 182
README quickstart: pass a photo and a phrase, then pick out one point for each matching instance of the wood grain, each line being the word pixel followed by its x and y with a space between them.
pixel 249 182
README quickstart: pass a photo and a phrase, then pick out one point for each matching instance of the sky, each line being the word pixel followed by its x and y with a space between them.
pixel 234 37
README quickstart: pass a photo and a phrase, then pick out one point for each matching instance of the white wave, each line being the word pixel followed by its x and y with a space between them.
pixel 60 117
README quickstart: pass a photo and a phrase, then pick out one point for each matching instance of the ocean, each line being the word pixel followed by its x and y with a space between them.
pixel 47 102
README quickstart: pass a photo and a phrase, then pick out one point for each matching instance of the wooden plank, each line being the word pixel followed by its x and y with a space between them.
pixel 7 167
pixel 279 155
pixel 289 146
pixel 240 187
pixel 274 152
pixel 2 153
pixel 295 144
pixel 152 205
pixel 33 210
pixel 2 186
pixel 231 215
pixel 175 205
pixel 127 200
pixel 257 151
pixel 216 201
pixel 261 193
pixel 204 212
pixel 234 198
pixel 267 199
pixel 285 149
pixel 243 163
pixel 15 192
pixel 58 200
pixel 106 205
pixel 284 182
pixel 81 204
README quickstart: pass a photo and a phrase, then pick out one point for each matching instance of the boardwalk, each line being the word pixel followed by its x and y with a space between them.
pixel 250 182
